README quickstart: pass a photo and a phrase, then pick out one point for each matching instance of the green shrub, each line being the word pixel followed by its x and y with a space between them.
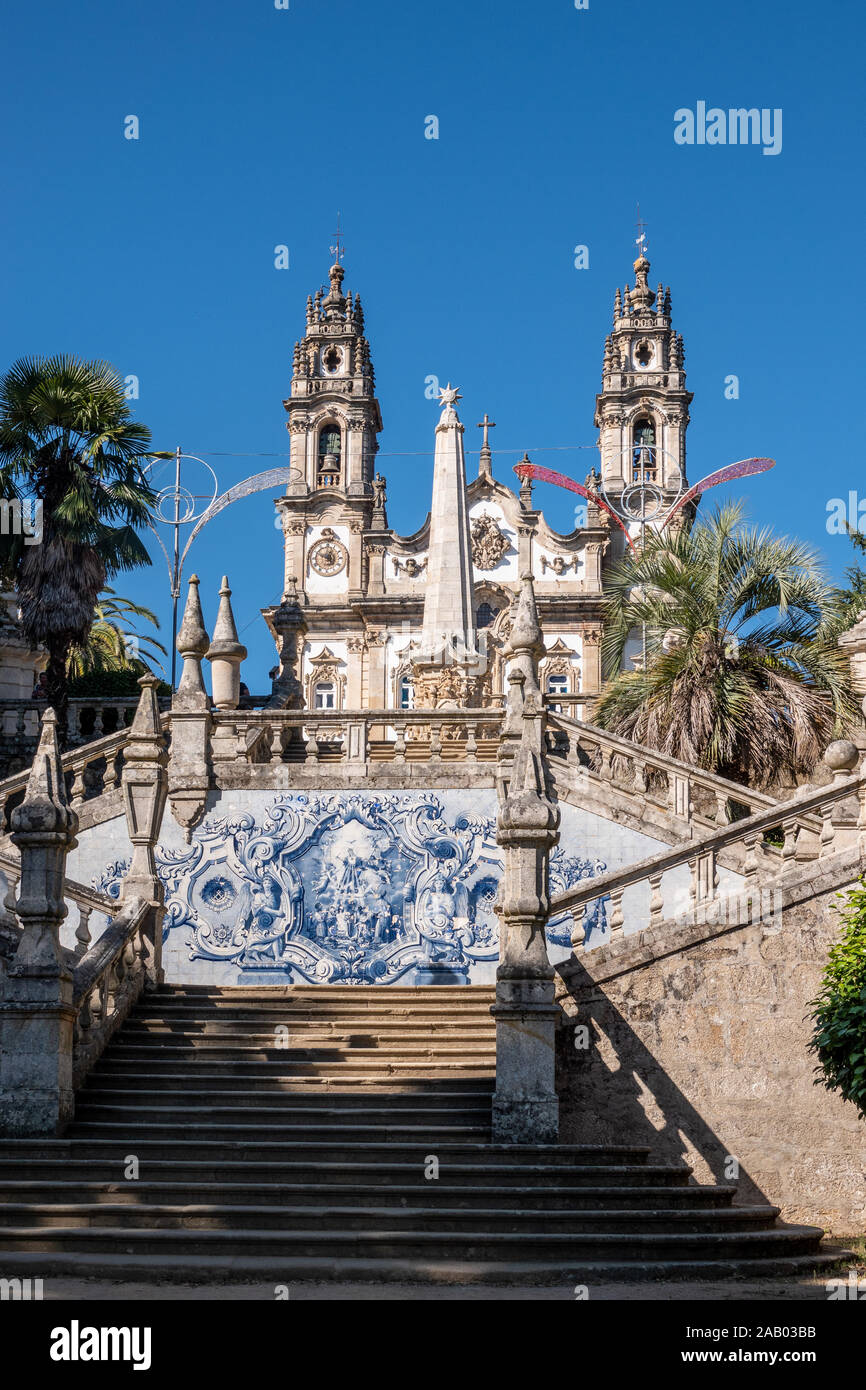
pixel 107 685
pixel 839 1037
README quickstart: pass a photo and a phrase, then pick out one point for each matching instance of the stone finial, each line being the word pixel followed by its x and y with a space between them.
pixel 144 782
pixel 226 653
pixel 526 643
pixel 617 305
pixel 192 644
pixel 842 757
pixel 43 830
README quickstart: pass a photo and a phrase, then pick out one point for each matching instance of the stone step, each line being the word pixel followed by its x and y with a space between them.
pixel 533 1225
pixel 278 1117
pixel 427 1015
pixel 265 1050
pixel 467 1243
pixel 256 1132
pixel 365 1195
pixel 108 1164
pixel 360 1087
pixel 396 1033
pixel 362 996
pixel 139 1139
pixel 143 1099
pixel 369 1066
pixel 134 1268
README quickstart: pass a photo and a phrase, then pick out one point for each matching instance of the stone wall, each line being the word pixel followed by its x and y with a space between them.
pixel 698 1047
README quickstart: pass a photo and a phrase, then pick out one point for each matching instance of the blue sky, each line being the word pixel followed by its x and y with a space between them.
pixel 257 125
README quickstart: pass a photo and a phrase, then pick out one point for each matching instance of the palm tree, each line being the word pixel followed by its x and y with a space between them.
pixel 68 441
pixel 113 643
pixel 743 675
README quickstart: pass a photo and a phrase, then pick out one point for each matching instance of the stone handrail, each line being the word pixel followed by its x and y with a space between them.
pixel 701 855
pixel 107 982
pixel 659 779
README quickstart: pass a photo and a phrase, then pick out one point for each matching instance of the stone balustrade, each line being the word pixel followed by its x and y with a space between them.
pixel 763 865
pixel 107 981
pixel 60 1005
pixel 90 771
pixel 355 737
pixel 91 718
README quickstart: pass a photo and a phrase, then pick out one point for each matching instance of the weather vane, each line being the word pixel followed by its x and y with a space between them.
pixel 339 250
pixel 640 240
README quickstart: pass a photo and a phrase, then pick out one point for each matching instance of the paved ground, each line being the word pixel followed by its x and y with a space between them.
pixel 735 1291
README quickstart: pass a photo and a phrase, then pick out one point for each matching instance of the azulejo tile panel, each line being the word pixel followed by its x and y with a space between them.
pixel 343 887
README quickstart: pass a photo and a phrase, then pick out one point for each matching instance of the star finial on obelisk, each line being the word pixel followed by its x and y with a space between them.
pixel 449 395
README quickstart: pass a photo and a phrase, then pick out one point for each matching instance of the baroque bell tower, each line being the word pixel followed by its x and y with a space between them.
pixel 334 420
pixel 642 410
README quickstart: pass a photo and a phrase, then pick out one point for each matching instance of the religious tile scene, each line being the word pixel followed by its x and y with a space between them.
pixel 485 910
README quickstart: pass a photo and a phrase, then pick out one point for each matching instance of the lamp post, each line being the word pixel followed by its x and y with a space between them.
pixel 177 506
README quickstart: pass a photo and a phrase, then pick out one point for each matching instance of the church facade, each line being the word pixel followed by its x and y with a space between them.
pixel 371 619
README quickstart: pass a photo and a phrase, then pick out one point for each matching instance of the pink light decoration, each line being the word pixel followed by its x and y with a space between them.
pixel 547 475
pixel 744 469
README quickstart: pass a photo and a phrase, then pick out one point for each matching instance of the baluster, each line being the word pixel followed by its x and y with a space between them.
pixel 578 926
pixel 639 782
pixel 113 770
pixel 78 785
pixel 789 848
pixel 97 1005
pixel 98 722
pixel 471 752
pixel 681 796
pixel 82 931
pixel 657 901
pixel 312 744
pixel 828 829
pixel 605 769
pixel 436 739
pixel 721 808
pixel 400 744
pixel 751 862
pixel 129 955
pixel 616 913
pixel 74 720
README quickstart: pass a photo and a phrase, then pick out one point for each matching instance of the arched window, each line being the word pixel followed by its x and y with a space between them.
pixel 406 694
pixel 486 615
pixel 643 450
pixel 324 695
pixel 328 474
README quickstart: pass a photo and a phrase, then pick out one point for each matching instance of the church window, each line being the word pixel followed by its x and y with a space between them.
pixel 557 684
pixel 325 695
pixel 332 359
pixel 643 450
pixel 643 354
pixel 486 615
pixel 406 694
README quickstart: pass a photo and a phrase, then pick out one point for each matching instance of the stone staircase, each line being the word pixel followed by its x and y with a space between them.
pixel 287 1134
